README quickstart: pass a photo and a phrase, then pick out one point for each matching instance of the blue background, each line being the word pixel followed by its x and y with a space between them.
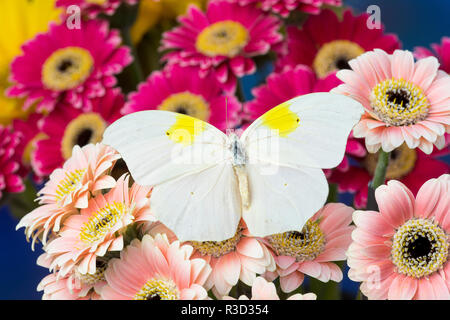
pixel 416 22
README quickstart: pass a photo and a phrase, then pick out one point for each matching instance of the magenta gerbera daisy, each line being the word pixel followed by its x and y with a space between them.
pixel 401 252
pixel 200 97
pixel 326 44
pixel 223 40
pixel 29 135
pixel 325 238
pixel 154 269
pixel 412 167
pixel 67 126
pixel 284 7
pixel 405 101
pixel 91 8
pixel 10 180
pixel 441 52
pixel 70 65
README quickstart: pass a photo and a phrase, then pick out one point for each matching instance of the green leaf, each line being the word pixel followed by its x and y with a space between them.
pixel 22 203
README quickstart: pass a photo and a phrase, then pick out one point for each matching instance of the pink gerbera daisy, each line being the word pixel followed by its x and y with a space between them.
pixel 200 97
pixel 71 65
pixel 92 8
pixel 263 290
pixel 67 126
pixel 401 252
pixel 284 7
pixel 404 101
pixel 326 44
pixel 99 228
pixel 288 84
pixel 223 40
pixel 70 187
pixel 442 52
pixel 239 258
pixel 412 167
pixel 324 239
pixel 10 180
pixel 154 269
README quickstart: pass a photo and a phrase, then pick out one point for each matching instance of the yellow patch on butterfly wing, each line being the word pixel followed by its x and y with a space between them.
pixel 282 119
pixel 185 129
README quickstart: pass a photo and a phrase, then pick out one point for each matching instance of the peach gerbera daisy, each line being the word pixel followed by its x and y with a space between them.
pixel 154 269
pixel 99 228
pixel 401 252
pixel 240 257
pixel 70 187
pixel 324 239
pixel 73 286
pixel 264 290
pixel 405 101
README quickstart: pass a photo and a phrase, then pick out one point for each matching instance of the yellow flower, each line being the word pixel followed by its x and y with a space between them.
pixel 153 11
pixel 20 21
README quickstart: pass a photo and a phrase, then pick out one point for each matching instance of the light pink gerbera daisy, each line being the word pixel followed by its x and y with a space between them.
pixel 200 97
pixel 154 269
pixel 284 7
pixel 223 40
pixel 99 228
pixel 70 187
pixel 67 126
pixel 71 65
pixel 293 82
pixel 324 239
pixel 239 258
pixel 92 8
pixel 10 180
pixel 404 101
pixel 441 52
pixel 326 44
pixel 264 290
pixel 401 252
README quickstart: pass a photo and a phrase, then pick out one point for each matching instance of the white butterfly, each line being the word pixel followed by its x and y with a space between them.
pixel 205 181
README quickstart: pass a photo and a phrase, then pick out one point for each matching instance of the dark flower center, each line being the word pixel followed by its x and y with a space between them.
pixel 420 247
pixel 400 98
pixel 154 296
pixel 84 137
pixel 65 65
pixel 342 63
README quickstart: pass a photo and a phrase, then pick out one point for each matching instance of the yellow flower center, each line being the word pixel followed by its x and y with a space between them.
pixel 98 2
pixel 303 246
pixel 29 148
pixel 218 248
pixel 69 183
pixel 158 289
pixel 67 68
pixel 402 161
pixel 99 275
pixel 223 38
pixel 187 103
pixel 398 102
pixel 102 222
pixel 335 55
pixel 419 248
pixel 85 129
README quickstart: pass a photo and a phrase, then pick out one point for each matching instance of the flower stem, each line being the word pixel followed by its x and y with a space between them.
pixel 381 169
pixel 134 70
pixel 378 179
